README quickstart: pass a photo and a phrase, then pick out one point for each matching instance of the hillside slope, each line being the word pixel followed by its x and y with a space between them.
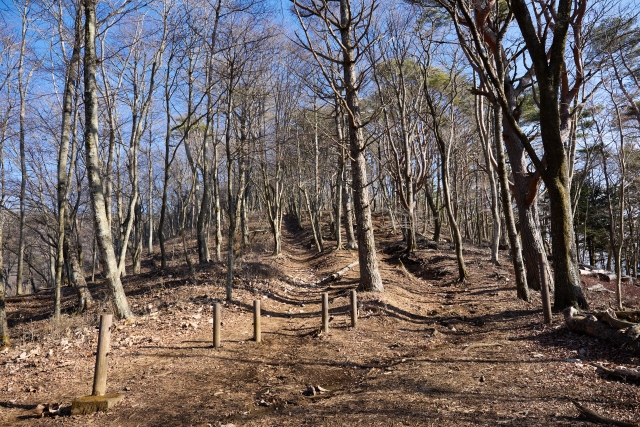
pixel 426 352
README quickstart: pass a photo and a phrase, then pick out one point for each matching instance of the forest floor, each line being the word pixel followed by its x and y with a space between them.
pixel 427 351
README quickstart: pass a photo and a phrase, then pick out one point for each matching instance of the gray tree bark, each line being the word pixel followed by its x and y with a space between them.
pixel 370 279
pixel 103 230
pixel 63 153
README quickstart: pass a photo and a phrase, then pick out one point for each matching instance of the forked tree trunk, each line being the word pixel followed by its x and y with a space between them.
pixel 548 67
pixel 105 241
pixel 76 273
pixel 525 194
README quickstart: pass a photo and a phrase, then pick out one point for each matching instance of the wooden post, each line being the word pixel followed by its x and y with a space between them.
pixel 325 312
pixel 257 333
pixel 354 308
pixel 216 325
pixel 544 290
pixel 104 337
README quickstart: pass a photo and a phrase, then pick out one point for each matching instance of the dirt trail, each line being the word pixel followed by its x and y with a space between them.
pixel 426 352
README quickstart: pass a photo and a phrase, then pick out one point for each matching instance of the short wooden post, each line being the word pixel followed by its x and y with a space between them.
pixel 354 308
pixel 216 325
pixel 104 338
pixel 325 312
pixel 544 290
pixel 257 333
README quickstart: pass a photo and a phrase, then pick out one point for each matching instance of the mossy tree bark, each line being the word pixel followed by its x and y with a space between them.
pixel 550 72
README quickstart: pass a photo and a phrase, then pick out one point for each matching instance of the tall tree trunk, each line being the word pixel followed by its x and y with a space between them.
pixel 514 242
pixel 554 120
pixel 370 279
pixel 201 228
pixel 244 219
pixel 204 215
pixel 525 194
pixel 338 199
pixel 217 209
pixel 150 223
pixel 437 222
pixel 493 186
pixel 444 148
pixel 453 224
pixel 105 241
pixel 63 153
pixel 233 196
pixel 22 89
pixel 347 200
pixel 5 341
pixel 138 234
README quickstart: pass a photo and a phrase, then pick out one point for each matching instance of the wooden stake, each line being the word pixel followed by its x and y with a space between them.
pixel 104 338
pixel 354 308
pixel 325 312
pixel 216 325
pixel 257 333
pixel 544 290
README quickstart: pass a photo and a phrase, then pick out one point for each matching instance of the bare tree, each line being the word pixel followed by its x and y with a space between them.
pixel 6 68
pixel 64 173
pixel 400 88
pixel 105 241
pixel 442 111
pixel 346 24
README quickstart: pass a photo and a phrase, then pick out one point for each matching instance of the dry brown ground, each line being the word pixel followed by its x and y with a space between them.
pixel 426 352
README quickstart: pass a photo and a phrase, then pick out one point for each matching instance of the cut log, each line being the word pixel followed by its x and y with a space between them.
pixel 590 325
pixel 598 287
pixel 620 372
pixel 595 417
pixel 607 276
pixel 338 274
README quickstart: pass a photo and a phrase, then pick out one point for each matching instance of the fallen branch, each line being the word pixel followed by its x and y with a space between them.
pixel 595 417
pixel 589 324
pixel 624 373
pixel 338 274
pixel 484 344
pixel 611 318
